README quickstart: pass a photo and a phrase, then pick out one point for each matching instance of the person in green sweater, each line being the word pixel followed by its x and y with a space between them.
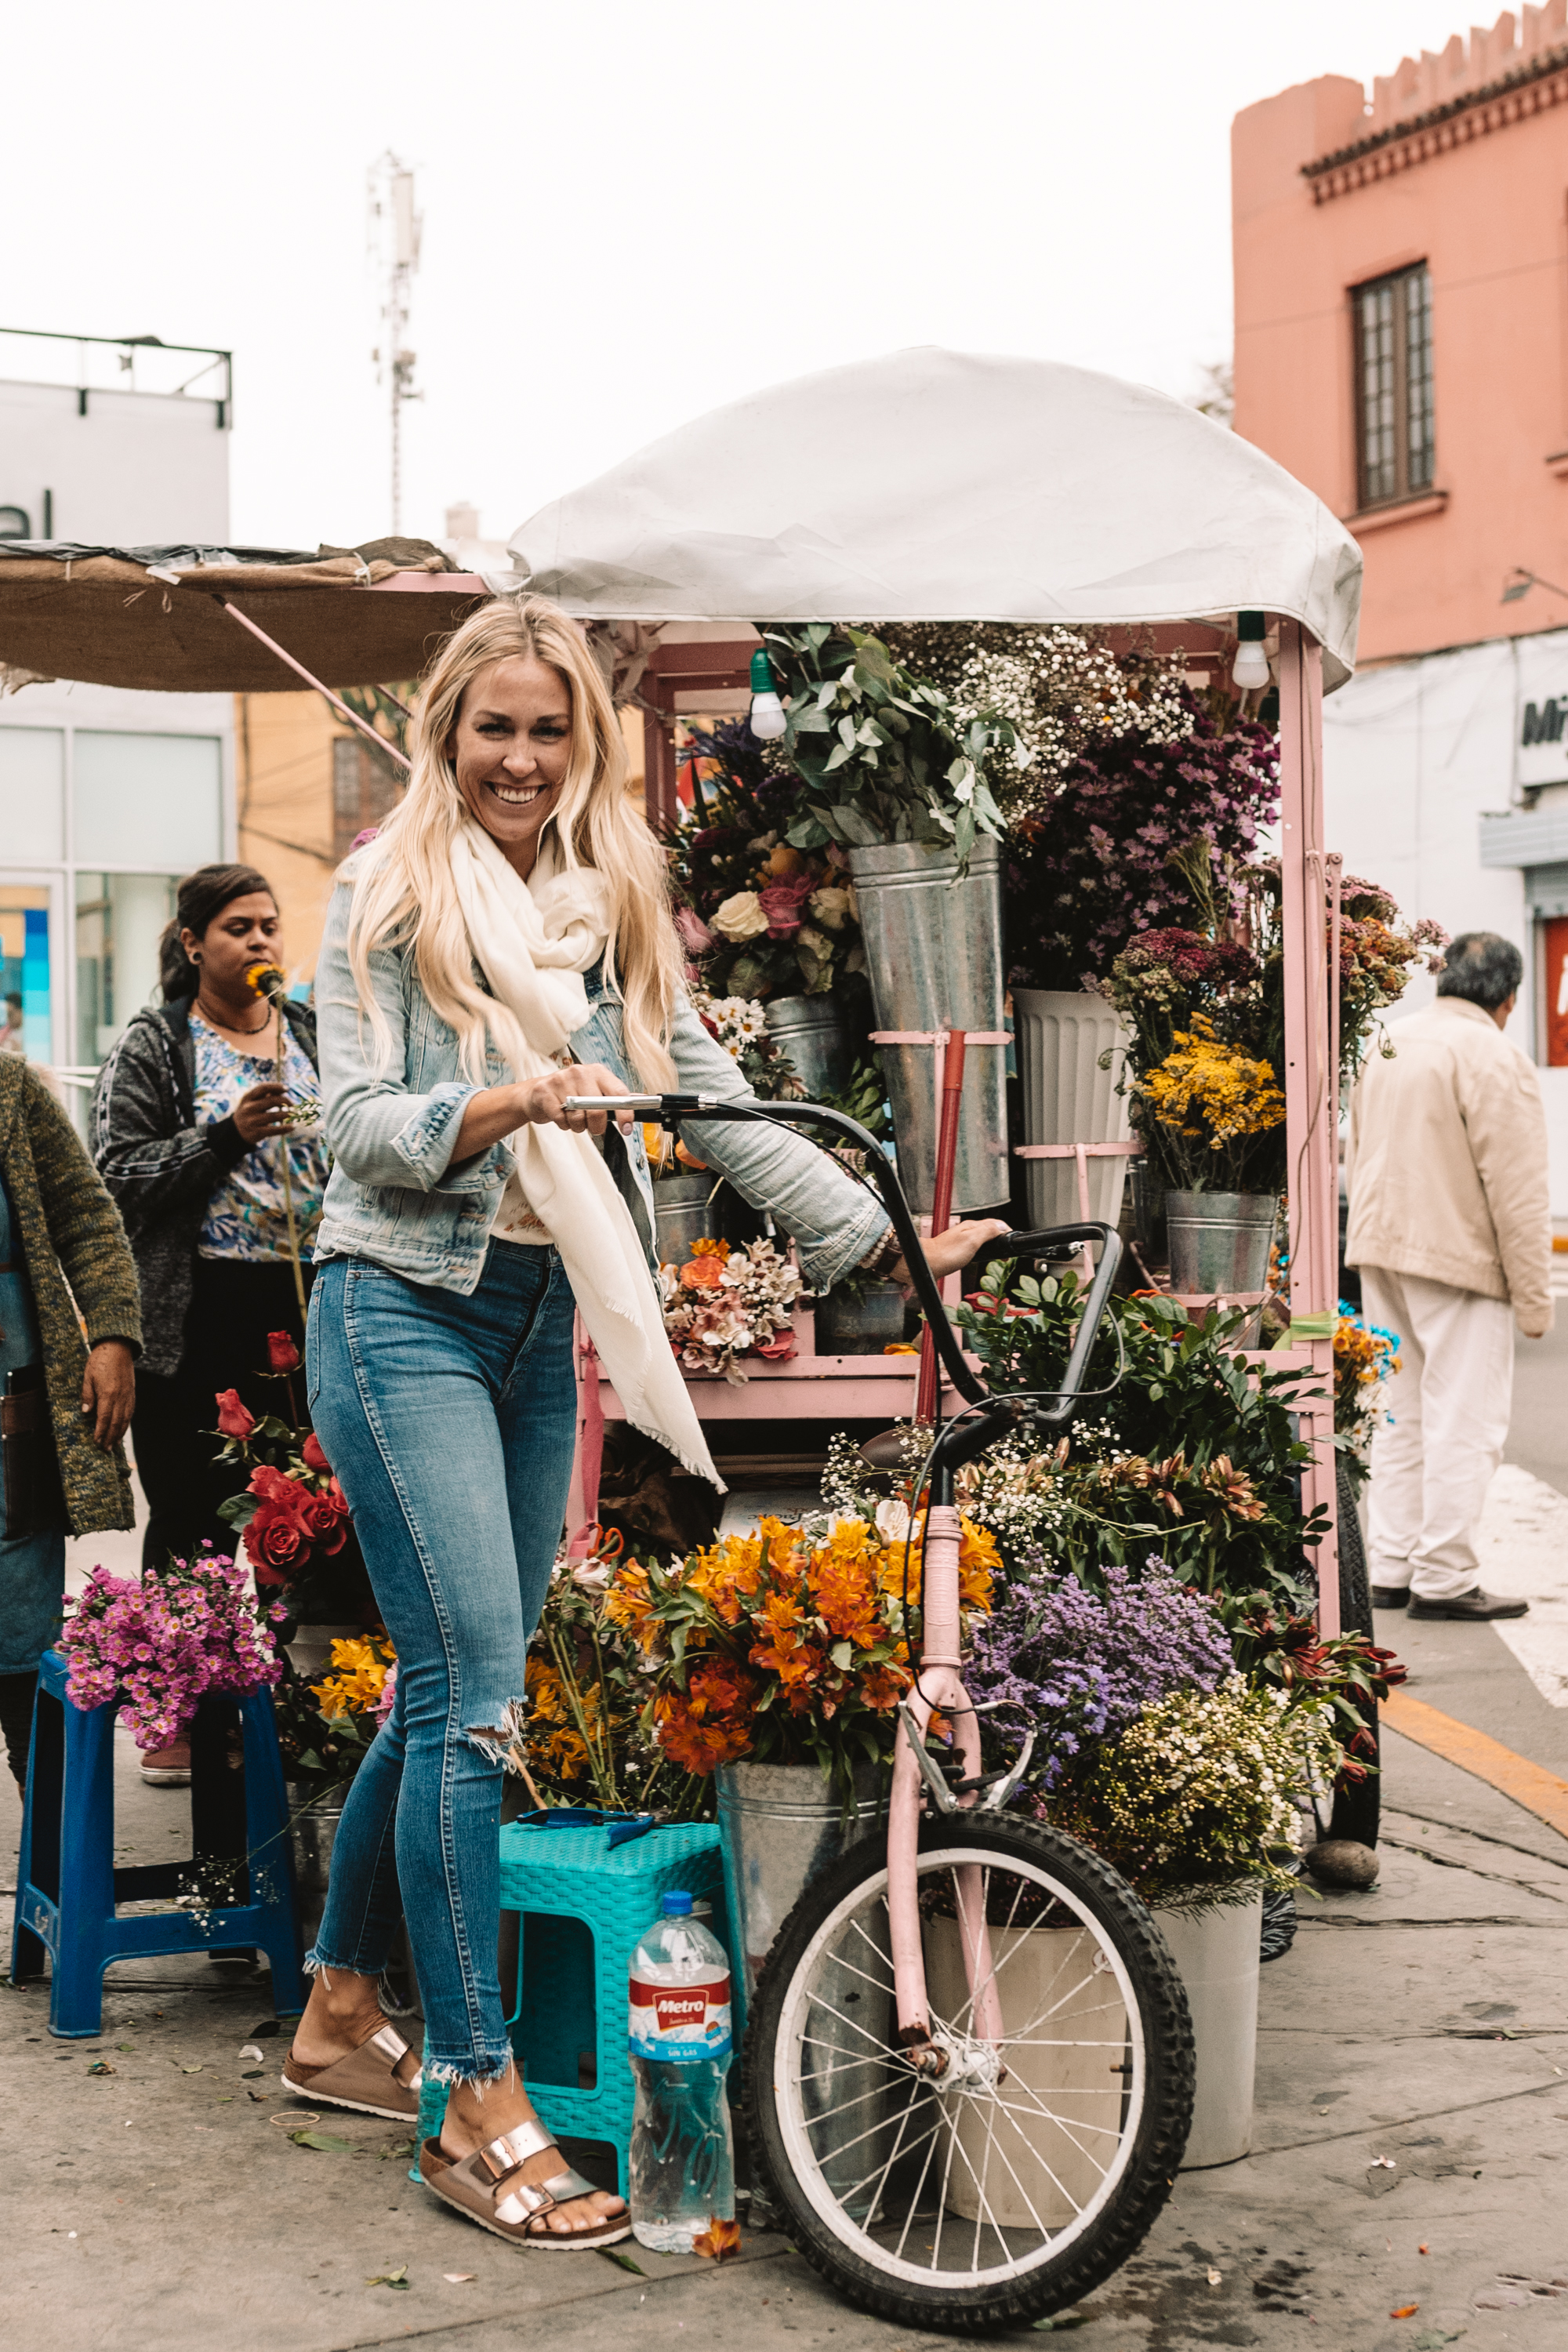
pixel 64 1264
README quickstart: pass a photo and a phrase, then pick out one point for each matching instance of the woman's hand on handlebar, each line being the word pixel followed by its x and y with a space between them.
pixel 496 1111
pixel 953 1249
pixel 543 1096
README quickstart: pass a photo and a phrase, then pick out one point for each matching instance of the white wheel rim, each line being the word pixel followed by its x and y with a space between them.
pixel 796 2037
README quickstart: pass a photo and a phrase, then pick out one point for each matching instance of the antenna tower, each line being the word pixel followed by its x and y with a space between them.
pixel 394 231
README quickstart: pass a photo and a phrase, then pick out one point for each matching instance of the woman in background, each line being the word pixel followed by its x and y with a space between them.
pixel 189 1123
pixel 66 1401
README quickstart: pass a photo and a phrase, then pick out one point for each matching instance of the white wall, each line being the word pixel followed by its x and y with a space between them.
pixel 139 469
pixel 1414 756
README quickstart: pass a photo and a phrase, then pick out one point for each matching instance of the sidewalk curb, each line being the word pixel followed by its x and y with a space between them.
pixel 1539 1792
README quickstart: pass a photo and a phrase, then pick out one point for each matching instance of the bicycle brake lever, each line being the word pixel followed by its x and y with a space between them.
pixel 998 1795
pixel 930 1769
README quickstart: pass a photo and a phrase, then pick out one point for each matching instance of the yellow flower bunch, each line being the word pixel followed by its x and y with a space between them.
pixel 357 1676
pixel 1211 1091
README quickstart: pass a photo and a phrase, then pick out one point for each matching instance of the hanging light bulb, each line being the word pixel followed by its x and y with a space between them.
pixel 1251 667
pixel 768 720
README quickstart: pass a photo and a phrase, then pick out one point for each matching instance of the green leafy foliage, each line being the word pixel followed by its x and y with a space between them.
pixel 1191 1452
pixel 883 756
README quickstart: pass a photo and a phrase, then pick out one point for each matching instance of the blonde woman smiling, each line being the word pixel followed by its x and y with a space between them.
pixel 503 944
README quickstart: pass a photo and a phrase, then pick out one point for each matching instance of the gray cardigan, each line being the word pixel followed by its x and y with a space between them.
pixel 159 1165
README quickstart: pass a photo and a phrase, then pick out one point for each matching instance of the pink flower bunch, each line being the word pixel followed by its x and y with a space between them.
pixel 722 1305
pixel 161 1643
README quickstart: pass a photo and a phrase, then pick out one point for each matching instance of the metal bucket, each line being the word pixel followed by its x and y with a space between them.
pixel 1069 1099
pixel 860 1326
pixel 810 1030
pixel 685 1209
pixel 933 955
pixel 779 1827
pixel 1219 1247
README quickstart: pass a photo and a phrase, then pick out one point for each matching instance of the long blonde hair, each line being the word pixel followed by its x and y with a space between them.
pixel 403 892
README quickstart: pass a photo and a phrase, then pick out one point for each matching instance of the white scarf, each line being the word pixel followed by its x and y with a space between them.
pixel 533 942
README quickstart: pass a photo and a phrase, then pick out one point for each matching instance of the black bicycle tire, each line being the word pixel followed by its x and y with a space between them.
pixel 1161 2139
pixel 1357 1808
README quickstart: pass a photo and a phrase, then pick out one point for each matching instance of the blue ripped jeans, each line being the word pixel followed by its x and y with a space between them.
pixel 450 1422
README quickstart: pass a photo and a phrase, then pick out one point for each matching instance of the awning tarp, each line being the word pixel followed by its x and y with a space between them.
pixel 935 486
pixel 105 617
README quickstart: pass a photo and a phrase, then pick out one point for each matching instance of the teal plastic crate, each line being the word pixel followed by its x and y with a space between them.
pixel 583 1906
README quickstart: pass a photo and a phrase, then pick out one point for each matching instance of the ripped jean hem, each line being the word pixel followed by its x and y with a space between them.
pixel 471 2073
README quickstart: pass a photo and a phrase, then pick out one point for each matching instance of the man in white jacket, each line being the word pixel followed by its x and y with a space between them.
pixel 1450 1224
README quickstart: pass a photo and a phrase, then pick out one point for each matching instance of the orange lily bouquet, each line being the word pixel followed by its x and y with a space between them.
pixel 785 1646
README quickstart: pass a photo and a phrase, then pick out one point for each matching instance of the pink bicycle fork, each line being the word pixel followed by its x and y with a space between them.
pixel 937 1689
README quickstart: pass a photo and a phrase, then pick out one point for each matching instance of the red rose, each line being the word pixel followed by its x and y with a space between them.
pixel 314 1457
pixel 325 1515
pixel 779 1350
pixel 782 903
pixel 283 1355
pixel 277 1546
pixel 233 1420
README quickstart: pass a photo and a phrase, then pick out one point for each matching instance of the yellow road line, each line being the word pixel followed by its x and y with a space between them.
pixel 1540 1792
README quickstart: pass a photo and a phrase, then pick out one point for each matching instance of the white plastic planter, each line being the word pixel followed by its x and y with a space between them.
pixel 1060 1036
pixel 1217 1955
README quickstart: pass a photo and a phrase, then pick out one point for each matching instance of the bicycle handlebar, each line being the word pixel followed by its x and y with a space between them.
pixel 679 1110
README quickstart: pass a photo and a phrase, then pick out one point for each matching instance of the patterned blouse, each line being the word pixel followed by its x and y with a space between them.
pixel 246 1214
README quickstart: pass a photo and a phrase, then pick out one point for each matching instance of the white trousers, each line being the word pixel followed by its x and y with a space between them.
pixel 1450 1402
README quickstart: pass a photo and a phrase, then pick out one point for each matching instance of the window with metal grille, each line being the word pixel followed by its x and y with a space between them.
pixel 1397 445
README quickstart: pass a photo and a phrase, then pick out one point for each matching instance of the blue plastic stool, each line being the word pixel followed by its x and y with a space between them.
pixel 67 1886
pixel 585 1905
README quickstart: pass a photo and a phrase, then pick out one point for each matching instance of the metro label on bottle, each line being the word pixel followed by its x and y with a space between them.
pixel 680 2022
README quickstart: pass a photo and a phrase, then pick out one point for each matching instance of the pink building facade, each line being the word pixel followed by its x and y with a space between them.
pixel 1401 267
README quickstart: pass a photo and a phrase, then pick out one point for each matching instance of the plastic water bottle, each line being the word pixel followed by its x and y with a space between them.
pixel 682 2169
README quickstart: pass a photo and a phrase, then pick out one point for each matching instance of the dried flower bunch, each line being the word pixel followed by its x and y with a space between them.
pixel 1108 851
pixel 1196 1803
pixel 784 1647
pixel 1060 690
pixel 1209 1114
pixel 759 916
pixel 726 1303
pixel 1378 953
pixel 165 1641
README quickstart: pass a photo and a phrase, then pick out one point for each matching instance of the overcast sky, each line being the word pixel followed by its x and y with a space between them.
pixel 633 210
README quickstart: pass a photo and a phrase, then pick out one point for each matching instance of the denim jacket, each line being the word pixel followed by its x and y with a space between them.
pixel 396 1196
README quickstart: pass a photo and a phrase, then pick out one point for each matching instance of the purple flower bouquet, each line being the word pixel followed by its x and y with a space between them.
pixel 1079 1670
pixel 162 1642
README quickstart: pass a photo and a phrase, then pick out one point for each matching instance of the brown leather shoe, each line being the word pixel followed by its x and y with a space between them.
pixel 381 2078
pixel 1475 1604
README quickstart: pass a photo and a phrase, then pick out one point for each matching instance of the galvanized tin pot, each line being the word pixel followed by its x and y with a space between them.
pixel 933 955
pixel 686 1210
pixel 860 1326
pixel 1219 1245
pixel 780 1826
pixel 810 1030
pixel 1069 1099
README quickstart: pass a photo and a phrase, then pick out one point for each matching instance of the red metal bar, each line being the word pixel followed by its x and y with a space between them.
pixel 353 717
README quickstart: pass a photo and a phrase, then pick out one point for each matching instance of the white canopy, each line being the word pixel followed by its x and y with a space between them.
pixel 943 486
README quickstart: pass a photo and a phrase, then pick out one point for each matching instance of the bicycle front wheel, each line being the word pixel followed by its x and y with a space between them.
pixel 1036 2166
